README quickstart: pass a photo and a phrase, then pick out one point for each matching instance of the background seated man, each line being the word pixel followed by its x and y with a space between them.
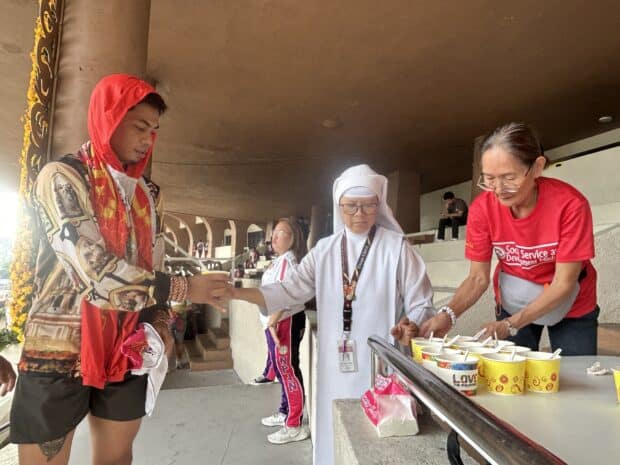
pixel 454 214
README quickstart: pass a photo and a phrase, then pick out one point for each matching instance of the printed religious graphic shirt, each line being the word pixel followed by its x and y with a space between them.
pixel 73 265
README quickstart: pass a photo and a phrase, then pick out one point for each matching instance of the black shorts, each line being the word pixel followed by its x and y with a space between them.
pixel 48 407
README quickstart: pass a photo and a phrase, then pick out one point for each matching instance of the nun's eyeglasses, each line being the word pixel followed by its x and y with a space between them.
pixel 352 208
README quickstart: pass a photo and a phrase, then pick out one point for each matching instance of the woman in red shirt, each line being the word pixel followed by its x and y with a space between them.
pixel 541 231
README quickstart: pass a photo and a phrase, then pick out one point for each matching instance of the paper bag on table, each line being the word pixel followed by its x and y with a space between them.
pixel 390 408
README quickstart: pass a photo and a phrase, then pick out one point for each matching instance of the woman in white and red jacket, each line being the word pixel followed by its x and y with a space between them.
pixel 286 329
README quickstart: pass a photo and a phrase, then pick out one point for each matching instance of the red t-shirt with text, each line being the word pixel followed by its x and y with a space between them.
pixel 559 229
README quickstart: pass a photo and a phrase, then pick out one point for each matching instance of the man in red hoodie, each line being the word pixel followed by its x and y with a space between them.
pixel 97 277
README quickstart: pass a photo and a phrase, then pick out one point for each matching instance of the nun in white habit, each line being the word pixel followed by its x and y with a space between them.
pixel 392 293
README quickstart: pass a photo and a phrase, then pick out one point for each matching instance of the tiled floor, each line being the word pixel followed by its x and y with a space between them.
pixel 204 417
pixel 8 455
pixel 183 379
pixel 215 425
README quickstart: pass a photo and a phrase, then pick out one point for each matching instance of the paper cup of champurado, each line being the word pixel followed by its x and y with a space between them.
pixel 521 350
pixel 504 376
pixel 459 372
pixel 465 339
pixel 542 373
pixel 430 353
pixel 501 343
pixel 417 343
pixel 479 351
pixel 466 345
pixel 616 371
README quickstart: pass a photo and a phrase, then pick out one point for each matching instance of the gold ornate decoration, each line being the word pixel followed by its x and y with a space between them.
pixel 36 119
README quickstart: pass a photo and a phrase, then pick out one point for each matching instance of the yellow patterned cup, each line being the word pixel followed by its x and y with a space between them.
pixel 521 350
pixel 430 353
pixel 504 376
pixel 500 343
pixel 479 351
pixel 616 371
pixel 466 345
pixel 459 372
pixel 542 374
pixel 417 343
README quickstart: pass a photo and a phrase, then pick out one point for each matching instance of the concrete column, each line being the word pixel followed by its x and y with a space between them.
pixel 242 236
pixel 208 237
pixel 199 231
pixel 182 235
pixel 98 38
pixel 232 225
pixel 218 226
pixel 269 230
pixel 476 168
pixel 185 236
pixel 318 226
pixel 170 234
pixel 404 198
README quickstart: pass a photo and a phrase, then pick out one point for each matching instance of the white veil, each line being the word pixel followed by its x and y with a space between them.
pixel 364 176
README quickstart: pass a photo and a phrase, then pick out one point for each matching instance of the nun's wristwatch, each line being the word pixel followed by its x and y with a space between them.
pixel 512 331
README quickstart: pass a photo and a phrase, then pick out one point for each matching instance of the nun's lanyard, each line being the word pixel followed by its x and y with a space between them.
pixel 349 284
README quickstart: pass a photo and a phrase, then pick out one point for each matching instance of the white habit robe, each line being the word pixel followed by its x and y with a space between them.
pixel 393 283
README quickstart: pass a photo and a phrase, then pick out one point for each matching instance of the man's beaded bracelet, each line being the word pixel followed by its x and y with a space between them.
pixel 178 288
pixel 450 312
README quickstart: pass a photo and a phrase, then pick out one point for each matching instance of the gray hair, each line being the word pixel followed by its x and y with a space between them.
pixel 518 139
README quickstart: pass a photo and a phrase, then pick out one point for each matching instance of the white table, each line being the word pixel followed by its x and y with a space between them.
pixel 580 423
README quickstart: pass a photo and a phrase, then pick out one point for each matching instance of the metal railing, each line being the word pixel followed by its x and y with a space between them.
pixel 200 262
pixel 186 255
pixel 494 439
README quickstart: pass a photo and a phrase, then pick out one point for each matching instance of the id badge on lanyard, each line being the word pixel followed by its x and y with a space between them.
pixel 347 350
pixel 347 354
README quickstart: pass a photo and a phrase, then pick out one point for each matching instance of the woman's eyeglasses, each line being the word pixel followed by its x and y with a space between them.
pixel 280 232
pixel 352 208
pixel 509 183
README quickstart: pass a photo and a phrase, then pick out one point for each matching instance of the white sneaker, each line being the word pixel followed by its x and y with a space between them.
pixel 285 435
pixel 260 380
pixel 277 419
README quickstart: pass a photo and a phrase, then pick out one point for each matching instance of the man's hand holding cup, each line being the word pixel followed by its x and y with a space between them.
pixel 210 287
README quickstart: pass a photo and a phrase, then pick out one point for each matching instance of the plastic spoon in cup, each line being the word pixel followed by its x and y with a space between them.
pixel 465 356
pixel 452 341
pixel 513 353
pixel 556 354
pixel 495 337
pixel 478 335
pixel 430 337
pixel 486 341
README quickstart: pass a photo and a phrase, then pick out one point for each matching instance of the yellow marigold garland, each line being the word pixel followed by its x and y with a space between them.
pixel 22 266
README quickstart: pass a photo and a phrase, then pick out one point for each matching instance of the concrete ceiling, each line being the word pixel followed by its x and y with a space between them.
pixel 270 100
